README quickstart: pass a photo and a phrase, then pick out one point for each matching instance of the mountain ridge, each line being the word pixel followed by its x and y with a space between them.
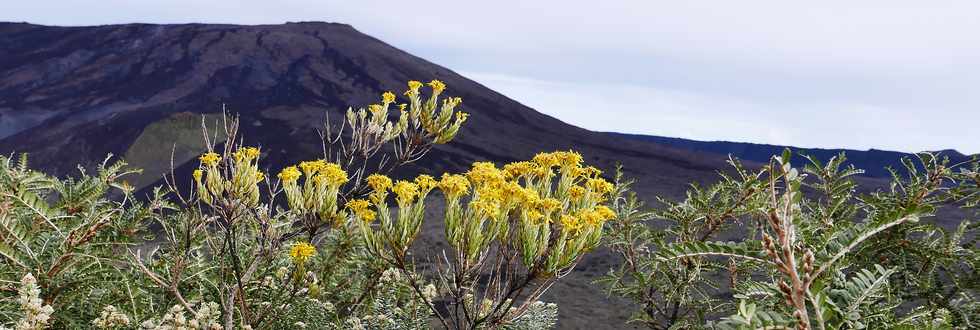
pixel 873 161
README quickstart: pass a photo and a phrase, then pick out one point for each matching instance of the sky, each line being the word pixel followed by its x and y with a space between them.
pixel 894 75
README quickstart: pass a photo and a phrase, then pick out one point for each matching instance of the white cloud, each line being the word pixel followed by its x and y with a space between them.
pixel 693 115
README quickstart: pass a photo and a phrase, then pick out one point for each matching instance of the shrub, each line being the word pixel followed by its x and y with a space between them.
pixel 245 250
pixel 813 254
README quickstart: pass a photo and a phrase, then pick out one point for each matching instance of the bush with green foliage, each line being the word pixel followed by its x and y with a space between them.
pixel 812 252
pixel 318 246
pixel 243 250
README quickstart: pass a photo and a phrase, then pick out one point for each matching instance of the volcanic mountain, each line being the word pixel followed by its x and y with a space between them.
pixel 71 95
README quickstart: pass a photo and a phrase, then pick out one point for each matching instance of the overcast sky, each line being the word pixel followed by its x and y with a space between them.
pixel 898 75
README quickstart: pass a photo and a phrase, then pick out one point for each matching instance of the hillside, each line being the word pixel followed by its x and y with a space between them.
pixel 874 162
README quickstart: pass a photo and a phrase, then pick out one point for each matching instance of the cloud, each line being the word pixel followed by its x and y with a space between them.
pixel 693 115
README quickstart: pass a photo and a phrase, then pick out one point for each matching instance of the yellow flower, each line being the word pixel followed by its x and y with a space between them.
pixel 388 97
pixel 570 223
pixel 401 107
pixel 375 109
pixel 512 191
pixel 358 205
pixel 533 216
pixel 406 191
pixel 542 172
pixel 425 183
pixel 546 159
pixel 413 87
pixel 485 207
pixel 549 205
pixel 461 117
pixel 259 176
pixel 198 173
pixel 591 172
pixel 289 174
pixel 568 159
pixel 246 154
pixel 300 252
pixel 210 159
pixel 454 185
pixel 379 182
pixel 605 212
pixel 529 197
pixel 311 167
pixel 591 217
pixel 361 209
pixel 485 173
pixel 490 192
pixel 437 86
pixel 333 174
pixel 367 215
pixel 576 193
pixel 599 186
pixel 518 169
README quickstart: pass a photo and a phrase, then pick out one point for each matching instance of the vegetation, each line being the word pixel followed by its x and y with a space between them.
pixel 812 252
pixel 330 243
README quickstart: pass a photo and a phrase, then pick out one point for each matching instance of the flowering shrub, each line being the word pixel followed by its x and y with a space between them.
pixel 330 243
pixel 246 250
pixel 522 227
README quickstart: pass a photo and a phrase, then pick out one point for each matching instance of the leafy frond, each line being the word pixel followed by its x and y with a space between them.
pixel 742 250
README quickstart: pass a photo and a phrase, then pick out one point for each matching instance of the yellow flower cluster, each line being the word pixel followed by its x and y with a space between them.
pixel 520 169
pixel 525 205
pixel 289 174
pixel 485 173
pixel 379 182
pixel 331 174
pixel 568 159
pixel 425 183
pixel 546 159
pixel 361 209
pixel 592 218
pixel 318 194
pixel 379 187
pixel 454 186
pixel 413 87
pixel 485 207
pixel 311 167
pixel 241 185
pixel 210 159
pixel 300 252
pixel 549 205
pixel 599 186
pixel 388 97
pixel 437 86
pixel 246 154
pixel 406 192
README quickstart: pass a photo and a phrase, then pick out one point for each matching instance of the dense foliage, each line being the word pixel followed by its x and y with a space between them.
pixel 316 246
pixel 810 252
pixel 330 243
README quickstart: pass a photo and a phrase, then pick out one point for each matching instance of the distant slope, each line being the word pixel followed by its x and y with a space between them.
pixel 873 161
